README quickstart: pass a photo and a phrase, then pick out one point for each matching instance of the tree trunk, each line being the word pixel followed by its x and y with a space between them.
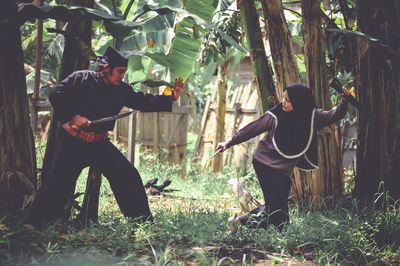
pixel 17 147
pixel 327 180
pixel 217 162
pixel 90 205
pixel 377 82
pixel 261 67
pixel 72 61
pixel 287 73
pixel 280 41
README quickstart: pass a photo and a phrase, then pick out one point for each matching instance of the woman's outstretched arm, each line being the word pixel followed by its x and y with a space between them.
pixel 255 128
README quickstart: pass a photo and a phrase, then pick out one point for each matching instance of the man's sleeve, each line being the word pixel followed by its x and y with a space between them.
pixel 148 102
pixel 63 98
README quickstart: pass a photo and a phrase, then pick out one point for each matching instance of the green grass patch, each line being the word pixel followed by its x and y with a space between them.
pixel 190 227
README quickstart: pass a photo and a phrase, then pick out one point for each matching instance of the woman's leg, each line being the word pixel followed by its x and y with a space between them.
pixel 276 190
pixel 124 179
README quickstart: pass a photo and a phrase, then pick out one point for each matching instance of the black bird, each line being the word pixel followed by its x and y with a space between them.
pixel 156 190
pixel 152 182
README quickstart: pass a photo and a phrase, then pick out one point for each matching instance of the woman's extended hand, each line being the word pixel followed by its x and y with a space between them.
pixel 222 146
pixel 343 95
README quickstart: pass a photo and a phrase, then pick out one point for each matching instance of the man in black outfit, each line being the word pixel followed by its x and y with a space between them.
pixel 80 98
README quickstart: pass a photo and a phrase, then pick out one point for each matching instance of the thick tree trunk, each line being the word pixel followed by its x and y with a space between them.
pixel 286 72
pixel 378 87
pixel 72 61
pixel 305 185
pixel 261 68
pixel 327 180
pixel 17 147
pixel 280 41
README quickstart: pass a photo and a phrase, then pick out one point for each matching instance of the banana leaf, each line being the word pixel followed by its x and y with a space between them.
pixel 63 13
pixel 30 80
pixel 186 44
pixel 372 40
pixel 153 83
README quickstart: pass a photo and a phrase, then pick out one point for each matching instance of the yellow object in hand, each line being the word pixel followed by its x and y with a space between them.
pixel 352 92
pixel 167 91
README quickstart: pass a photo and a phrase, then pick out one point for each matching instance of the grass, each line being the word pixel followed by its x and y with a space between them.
pixel 191 228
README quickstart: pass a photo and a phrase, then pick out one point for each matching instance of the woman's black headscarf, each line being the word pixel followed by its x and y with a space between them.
pixel 294 133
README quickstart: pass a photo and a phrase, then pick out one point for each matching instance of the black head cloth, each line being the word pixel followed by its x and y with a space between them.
pixel 114 58
pixel 294 135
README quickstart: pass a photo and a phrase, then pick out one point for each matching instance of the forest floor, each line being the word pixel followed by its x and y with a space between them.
pixel 191 228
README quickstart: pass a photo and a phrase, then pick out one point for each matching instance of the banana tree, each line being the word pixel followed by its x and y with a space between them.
pixel 189 26
pixel 378 88
pixel 328 179
pixel 193 20
pixel 262 69
pixel 17 147
pixel 226 57
pixel 286 72
pixel 280 40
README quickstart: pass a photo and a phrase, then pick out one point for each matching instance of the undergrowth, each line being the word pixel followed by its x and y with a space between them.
pixel 190 227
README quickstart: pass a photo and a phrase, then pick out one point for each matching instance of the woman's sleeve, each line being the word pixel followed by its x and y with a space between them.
pixel 255 128
pixel 325 118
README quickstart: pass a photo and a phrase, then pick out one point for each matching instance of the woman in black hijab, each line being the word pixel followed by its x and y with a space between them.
pixel 290 142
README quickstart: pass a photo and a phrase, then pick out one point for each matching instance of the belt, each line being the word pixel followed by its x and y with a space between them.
pixel 86 136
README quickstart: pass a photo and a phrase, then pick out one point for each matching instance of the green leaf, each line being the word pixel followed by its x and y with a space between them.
pixel 153 83
pixel 160 22
pixel 30 80
pixel 142 40
pixel 209 71
pixel 63 13
pixel 85 50
pixel 121 28
pixel 101 45
pixel 135 63
pixel 372 40
pixel 56 48
pixel 186 44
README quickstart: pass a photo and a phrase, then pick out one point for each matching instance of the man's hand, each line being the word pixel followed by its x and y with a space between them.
pixel 343 95
pixel 176 92
pixel 222 146
pixel 79 122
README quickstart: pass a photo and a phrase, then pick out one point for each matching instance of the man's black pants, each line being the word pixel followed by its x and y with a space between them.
pixel 72 157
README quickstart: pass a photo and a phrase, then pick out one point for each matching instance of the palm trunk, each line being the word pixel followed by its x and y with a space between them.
pixel 280 41
pixel 90 205
pixel 327 180
pixel 378 85
pixel 217 162
pixel 72 61
pixel 17 147
pixel 261 68
pixel 286 73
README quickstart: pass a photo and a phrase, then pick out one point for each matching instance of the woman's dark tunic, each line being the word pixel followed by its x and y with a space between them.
pixel 265 152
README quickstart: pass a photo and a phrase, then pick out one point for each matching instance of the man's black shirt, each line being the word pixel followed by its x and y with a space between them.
pixel 86 94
